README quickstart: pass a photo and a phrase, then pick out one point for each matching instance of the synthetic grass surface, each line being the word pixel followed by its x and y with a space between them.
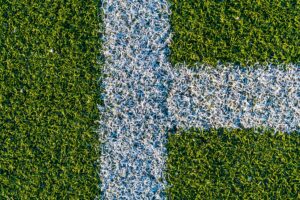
pixel 233 164
pixel 241 32
pixel 48 99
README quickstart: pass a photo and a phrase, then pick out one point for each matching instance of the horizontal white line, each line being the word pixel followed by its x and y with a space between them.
pixel 229 96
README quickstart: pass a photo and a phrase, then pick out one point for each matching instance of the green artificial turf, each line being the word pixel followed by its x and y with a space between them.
pixel 233 164
pixel 49 91
pixel 240 32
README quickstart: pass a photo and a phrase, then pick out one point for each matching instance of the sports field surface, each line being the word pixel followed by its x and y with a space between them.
pixel 149 99
pixel 240 32
pixel 48 99
pixel 233 163
pixel 149 95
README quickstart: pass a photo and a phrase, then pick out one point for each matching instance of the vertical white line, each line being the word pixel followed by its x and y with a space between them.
pixel 132 160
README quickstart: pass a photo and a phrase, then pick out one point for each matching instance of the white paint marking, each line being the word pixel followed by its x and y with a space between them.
pixel 145 96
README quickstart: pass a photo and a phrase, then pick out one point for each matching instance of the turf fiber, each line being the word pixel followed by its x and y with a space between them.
pixel 233 164
pixel 240 32
pixel 48 99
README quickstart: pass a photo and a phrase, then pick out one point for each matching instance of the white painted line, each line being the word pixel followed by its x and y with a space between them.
pixel 133 126
pixel 236 98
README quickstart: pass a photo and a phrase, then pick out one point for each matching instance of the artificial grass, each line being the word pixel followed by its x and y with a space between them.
pixel 48 99
pixel 233 164
pixel 241 32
